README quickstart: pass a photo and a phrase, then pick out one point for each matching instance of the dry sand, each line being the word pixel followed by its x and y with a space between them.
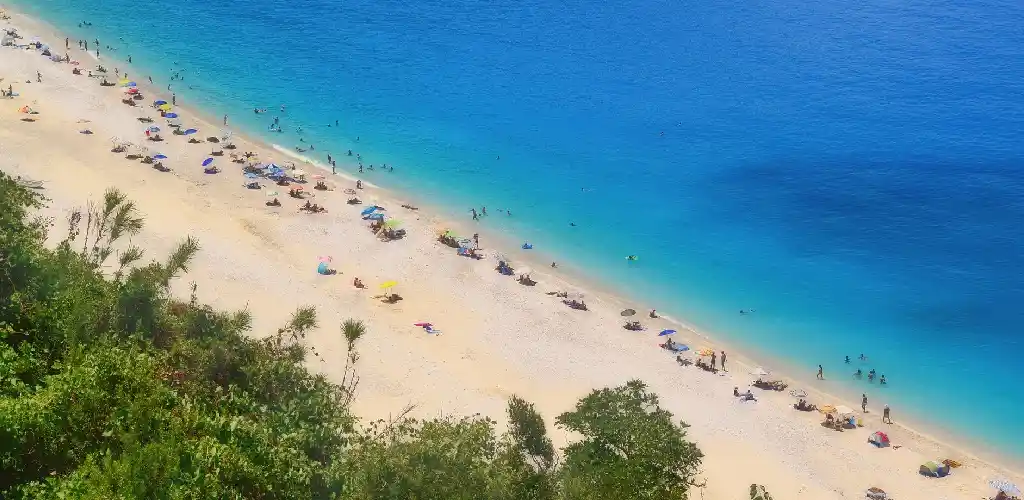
pixel 499 338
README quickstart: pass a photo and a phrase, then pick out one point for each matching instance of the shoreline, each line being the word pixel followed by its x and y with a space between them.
pixel 601 292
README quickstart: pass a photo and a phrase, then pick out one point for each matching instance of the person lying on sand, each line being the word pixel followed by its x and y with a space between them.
pixel 274 203
pixel 357 283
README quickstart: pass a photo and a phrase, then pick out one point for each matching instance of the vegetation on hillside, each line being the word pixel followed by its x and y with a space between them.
pixel 110 388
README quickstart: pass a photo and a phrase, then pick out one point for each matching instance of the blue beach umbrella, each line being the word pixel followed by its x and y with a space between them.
pixel 171 115
pixel 159 102
pixel 666 332
pixel 1005 486
pixel 375 217
pixel 190 131
pixel 251 175
pixel 160 157
pixel 207 162
pixel 368 211
pixel 321 268
pixel 153 129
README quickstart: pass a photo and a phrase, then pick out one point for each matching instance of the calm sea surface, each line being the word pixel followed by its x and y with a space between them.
pixel 850 170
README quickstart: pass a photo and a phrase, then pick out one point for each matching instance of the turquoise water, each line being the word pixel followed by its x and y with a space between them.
pixel 850 170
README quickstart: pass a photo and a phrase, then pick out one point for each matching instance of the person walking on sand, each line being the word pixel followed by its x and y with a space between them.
pixel 475 216
pixel 334 168
pixel 723 361
pixel 39 77
pixel 225 120
pixel 821 373
pixel 864 403
pixel 174 99
pixel 885 415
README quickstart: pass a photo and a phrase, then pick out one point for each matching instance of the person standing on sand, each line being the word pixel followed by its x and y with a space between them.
pixel 885 415
pixel 334 168
pixel 39 77
pixel 67 43
pixel 712 359
pixel 723 361
pixel 225 120
pixel 174 99
pixel 821 373
pixel 864 403
pixel 475 216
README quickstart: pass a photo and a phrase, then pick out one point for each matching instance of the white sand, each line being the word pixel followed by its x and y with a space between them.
pixel 499 338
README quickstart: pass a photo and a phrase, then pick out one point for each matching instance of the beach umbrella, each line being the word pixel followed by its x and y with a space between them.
pixel 375 217
pixel 164 107
pixel 423 325
pixel 388 284
pixel 159 102
pixel 190 131
pixel 296 188
pixel 325 258
pixel 875 493
pixel 759 372
pixel 368 210
pixel 627 312
pixel 159 157
pixel 153 129
pixel 170 115
pixel 393 223
pixel 321 268
pixel 207 162
pixel 298 173
pixel 798 393
pixel 827 409
pixel 251 176
pixel 844 410
pixel 1005 486
pixel 666 332
pixel 707 351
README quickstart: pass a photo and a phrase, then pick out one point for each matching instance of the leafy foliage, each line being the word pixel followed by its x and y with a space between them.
pixel 112 389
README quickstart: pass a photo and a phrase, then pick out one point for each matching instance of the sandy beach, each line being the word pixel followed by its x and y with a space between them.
pixel 498 338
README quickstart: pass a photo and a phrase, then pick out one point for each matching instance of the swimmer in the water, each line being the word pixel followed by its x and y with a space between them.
pixel 632 258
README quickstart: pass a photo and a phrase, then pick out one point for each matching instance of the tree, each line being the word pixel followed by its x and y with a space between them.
pixel 631 448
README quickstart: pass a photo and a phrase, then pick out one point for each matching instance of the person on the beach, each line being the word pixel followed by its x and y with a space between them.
pixel 87 45
pixel 821 373
pixel 225 120
pixel 864 403
pixel 553 265
pixel 723 360
pixel 475 216
pixel 360 168
pixel 334 168
pixel 67 43
pixel 713 357
pixel 885 415
pixel 174 99
pixel 654 315
pixel 39 77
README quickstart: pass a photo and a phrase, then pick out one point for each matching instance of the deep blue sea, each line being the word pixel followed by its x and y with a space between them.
pixel 851 170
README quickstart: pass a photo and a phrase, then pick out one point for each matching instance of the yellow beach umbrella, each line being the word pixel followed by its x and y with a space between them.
pixel 827 409
pixel 707 351
pixel 392 223
pixel 388 284
pixel 165 107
